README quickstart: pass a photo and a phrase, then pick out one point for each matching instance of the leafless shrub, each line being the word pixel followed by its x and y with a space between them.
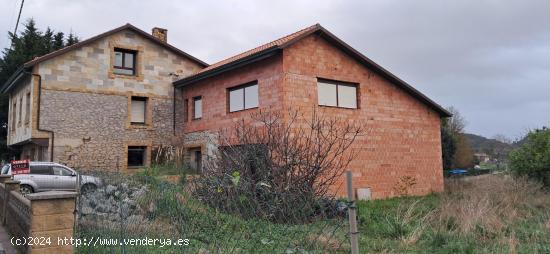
pixel 278 165
pixel 168 154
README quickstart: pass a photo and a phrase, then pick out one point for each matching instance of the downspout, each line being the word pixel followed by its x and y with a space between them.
pixel 52 134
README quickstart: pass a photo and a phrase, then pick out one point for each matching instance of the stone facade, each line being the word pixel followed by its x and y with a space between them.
pixel 85 106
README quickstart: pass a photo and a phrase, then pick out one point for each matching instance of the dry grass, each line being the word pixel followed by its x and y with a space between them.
pixel 485 214
pixel 486 205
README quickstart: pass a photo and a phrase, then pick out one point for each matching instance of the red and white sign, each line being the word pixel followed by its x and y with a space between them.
pixel 20 167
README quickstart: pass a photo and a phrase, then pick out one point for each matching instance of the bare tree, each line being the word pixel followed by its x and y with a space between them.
pixel 277 161
pixel 457 122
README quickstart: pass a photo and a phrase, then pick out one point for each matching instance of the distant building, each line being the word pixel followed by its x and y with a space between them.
pixel 482 157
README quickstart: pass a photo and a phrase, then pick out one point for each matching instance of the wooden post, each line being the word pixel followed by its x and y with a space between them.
pixel 352 212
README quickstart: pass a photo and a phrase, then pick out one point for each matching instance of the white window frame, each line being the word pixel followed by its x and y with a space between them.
pixel 197 114
pixel 337 85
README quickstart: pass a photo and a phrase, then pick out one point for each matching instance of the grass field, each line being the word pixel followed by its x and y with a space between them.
pixel 489 214
pixel 486 214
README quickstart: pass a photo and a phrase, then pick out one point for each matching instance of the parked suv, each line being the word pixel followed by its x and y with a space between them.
pixel 48 176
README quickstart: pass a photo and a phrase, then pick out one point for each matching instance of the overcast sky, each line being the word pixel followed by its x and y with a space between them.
pixel 488 59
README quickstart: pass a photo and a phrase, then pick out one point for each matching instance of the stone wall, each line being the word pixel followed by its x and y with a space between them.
pixel 87 106
pixel 89 68
pixel 52 217
pixel 46 215
pixel 91 132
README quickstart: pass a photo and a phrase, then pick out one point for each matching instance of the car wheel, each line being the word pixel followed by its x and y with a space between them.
pixel 88 188
pixel 25 189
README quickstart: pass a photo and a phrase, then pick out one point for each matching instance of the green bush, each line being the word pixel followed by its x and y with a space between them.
pixel 532 159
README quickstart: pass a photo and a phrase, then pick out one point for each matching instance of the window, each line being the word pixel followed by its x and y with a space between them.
pixel 60 171
pixel 13 115
pixel 27 108
pixel 5 169
pixel 243 97
pixel 125 62
pixel 197 107
pixel 337 94
pixel 138 110
pixel 41 170
pixel 20 111
pixel 136 156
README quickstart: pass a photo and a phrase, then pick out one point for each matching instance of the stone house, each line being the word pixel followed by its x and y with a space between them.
pixel 102 103
pixel 86 110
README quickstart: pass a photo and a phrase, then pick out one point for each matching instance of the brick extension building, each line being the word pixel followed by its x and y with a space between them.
pixel 107 101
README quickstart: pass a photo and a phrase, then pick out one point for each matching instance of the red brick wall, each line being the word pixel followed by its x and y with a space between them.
pixel 402 134
pixel 268 73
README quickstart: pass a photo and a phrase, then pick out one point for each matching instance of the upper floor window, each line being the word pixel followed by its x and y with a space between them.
pixel 197 107
pixel 243 97
pixel 138 107
pixel 20 110
pixel 125 62
pixel 14 115
pixel 337 94
pixel 27 108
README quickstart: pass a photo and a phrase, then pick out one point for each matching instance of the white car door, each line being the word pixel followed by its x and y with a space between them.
pixel 64 179
pixel 41 175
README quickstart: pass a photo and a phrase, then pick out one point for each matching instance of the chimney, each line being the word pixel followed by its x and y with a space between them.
pixel 160 33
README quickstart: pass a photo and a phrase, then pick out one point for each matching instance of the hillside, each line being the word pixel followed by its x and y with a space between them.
pixel 489 146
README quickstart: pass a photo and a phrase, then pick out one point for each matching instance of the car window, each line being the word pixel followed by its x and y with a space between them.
pixel 41 169
pixel 5 169
pixel 60 171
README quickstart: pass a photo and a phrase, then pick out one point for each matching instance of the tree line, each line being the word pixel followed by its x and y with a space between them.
pixel 23 47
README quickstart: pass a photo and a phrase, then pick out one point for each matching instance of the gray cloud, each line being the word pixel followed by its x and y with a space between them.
pixel 489 59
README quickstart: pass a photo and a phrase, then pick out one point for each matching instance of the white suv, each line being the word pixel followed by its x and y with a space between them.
pixel 48 176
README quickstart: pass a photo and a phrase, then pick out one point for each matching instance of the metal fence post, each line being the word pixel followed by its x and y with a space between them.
pixel 352 212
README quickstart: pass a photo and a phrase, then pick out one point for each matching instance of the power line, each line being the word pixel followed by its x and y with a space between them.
pixel 18 17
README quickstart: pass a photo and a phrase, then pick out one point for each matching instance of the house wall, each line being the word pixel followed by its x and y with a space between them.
pixel 402 135
pixel 216 115
pixel 86 105
pixel 22 130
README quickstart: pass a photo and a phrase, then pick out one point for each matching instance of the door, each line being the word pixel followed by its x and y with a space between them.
pixel 41 175
pixel 64 179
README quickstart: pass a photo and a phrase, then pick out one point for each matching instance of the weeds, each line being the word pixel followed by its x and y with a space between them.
pixel 488 214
